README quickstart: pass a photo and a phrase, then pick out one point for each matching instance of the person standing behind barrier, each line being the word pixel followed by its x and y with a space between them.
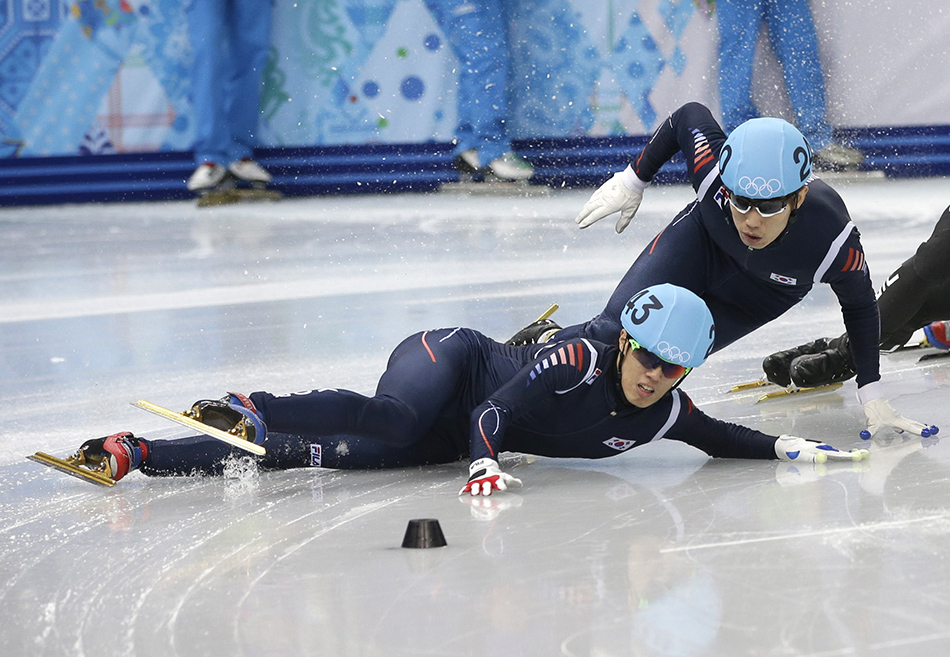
pixel 231 39
pixel 791 31
pixel 477 31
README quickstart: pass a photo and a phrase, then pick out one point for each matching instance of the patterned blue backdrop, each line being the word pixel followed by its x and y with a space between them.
pixel 101 76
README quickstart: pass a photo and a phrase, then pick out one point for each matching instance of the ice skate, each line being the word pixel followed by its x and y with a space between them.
pixel 206 177
pixel 937 335
pixel 252 181
pixel 250 171
pixel 830 365
pixel 213 184
pixel 795 390
pixel 507 175
pixel 538 331
pixel 777 366
pixel 243 180
pixel 510 167
pixel 231 419
pixel 101 461
pixel 469 166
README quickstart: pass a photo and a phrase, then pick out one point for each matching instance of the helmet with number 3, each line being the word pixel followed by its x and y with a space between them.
pixel 765 158
pixel 672 322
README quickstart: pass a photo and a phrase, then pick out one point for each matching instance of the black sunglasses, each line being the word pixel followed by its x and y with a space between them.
pixel 766 207
pixel 651 361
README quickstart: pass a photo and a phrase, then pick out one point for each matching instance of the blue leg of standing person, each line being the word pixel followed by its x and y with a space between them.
pixel 249 25
pixel 795 43
pixel 206 21
pixel 477 34
pixel 739 22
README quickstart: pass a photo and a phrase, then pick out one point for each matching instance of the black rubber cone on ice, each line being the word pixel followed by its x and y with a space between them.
pixel 425 533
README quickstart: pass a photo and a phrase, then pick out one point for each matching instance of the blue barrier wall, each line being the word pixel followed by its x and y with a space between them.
pixel 383 168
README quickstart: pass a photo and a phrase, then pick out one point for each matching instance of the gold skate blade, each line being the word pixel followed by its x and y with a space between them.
pixel 72 469
pixel 784 392
pixel 237 195
pixel 547 313
pixel 200 427
pixel 751 385
pixel 256 194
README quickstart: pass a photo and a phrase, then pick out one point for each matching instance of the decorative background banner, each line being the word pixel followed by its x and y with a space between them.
pixel 108 76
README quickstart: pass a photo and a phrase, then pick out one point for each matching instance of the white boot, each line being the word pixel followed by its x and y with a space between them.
pixel 206 176
pixel 249 170
pixel 468 161
pixel 511 167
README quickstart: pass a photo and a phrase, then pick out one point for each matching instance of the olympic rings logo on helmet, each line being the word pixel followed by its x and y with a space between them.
pixel 671 353
pixel 759 185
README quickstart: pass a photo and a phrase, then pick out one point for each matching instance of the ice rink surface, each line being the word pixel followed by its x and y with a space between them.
pixel 659 551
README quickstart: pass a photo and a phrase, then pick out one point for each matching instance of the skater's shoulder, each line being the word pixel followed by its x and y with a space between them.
pixel 824 198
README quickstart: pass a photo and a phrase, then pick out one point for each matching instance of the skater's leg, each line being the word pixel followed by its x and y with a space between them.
pixel 205 455
pixel 918 293
pixel 420 382
pixel 683 240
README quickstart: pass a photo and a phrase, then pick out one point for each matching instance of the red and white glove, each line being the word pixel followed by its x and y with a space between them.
pixel 484 476
pixel 791 448
pixel 622 193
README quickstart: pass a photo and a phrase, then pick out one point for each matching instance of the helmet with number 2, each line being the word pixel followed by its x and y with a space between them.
pixel 765 158
pixel 672 322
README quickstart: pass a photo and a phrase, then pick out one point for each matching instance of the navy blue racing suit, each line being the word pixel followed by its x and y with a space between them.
pixel 744 288
pixel 451 394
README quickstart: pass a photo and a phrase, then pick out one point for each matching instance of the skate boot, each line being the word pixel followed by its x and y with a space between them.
pixel 829 366
pixel 534 333
pixel 511 167
pixel 468 162
pixel 206 177
pixel 250 171
pixel 114 456
pixel 777 365
pixel 234 413
pixel 938 335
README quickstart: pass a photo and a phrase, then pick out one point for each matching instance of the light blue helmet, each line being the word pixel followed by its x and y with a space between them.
pixel 765 158
pixel 672 322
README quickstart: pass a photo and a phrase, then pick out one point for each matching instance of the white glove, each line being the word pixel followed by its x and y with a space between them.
pixel 880 414
pixel 790 448
pixel 484 476
pixel 623 193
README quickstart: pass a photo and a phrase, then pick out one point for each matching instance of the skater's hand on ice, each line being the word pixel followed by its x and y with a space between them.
pixel 880 414
pixel 791 448
pixel 485 476
pixel 622 193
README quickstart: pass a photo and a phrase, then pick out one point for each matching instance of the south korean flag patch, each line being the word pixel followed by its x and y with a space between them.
pixel 619 444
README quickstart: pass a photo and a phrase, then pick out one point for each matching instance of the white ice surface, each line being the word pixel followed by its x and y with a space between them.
pixel 656 552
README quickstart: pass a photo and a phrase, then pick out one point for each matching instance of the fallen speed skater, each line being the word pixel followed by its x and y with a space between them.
pixel 451 394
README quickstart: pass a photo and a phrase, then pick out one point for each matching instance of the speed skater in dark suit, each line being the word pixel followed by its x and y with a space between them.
pixel 761 232
pixel 453 393
pixel 915 296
